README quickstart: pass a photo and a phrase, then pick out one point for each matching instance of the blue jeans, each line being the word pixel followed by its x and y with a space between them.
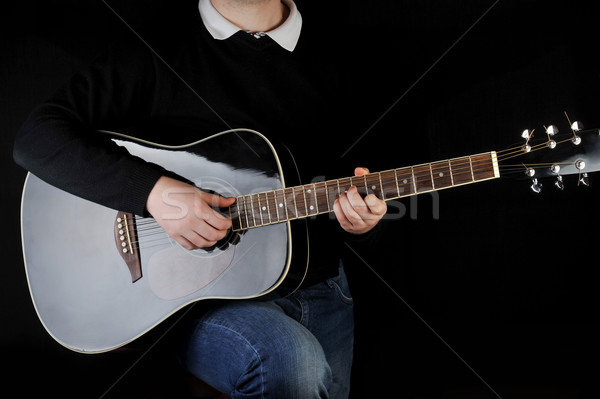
pixel 298 346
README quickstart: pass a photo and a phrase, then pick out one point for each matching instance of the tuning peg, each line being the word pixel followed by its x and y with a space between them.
pixel 530 172
pixel 536 186
pixel 577 126
pixel 527 134
pixel 552 130
pixel 585 180
pixel 559 183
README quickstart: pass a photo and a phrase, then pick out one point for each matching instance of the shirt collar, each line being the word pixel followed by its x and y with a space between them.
pixel 286 35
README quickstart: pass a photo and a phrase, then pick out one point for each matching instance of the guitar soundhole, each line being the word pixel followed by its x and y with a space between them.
pixel 232 238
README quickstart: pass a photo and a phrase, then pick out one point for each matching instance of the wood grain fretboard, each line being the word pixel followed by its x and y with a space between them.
pixel 276 206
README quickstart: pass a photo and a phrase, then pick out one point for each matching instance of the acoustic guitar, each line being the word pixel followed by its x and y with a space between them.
pixel 100 278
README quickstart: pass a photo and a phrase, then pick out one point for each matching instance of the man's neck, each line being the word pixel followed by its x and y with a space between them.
pixel 253 15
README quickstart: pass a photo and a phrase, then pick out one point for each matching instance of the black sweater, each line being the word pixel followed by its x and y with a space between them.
pixel 195 87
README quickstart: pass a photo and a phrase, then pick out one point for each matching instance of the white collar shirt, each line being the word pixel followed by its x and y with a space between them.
pixel 286 35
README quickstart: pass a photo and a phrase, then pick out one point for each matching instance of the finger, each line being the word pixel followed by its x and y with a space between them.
pixel 341 216
pixel 376 206
pixel 204 236
pixel 211 216
pixel 360 171
pixel 192 241
pixel 222 202
pixel 217 201
pixel 340 208
pixel 357 203
pixel 350 211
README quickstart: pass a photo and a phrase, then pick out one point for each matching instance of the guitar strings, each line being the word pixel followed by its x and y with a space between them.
pixel 150 233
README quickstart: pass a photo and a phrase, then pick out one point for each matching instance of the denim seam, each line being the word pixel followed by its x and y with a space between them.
pixel 340 293
pixel 304 311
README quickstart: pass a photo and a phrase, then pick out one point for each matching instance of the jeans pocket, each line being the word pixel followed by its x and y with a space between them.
pixel 343 294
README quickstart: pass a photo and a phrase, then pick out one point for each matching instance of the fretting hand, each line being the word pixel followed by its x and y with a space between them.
pixel 355 214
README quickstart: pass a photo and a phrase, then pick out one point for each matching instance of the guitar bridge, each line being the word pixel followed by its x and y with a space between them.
pixel 127 243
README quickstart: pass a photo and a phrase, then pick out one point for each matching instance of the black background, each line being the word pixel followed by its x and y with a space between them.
pixel 491 280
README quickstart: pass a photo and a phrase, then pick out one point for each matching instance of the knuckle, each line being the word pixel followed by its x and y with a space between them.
pixel 187 244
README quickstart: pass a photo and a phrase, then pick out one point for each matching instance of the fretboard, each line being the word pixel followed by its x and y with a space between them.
pixel 281 205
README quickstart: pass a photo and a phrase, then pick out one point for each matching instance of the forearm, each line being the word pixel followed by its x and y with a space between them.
pixel 82 161
pixel 60 144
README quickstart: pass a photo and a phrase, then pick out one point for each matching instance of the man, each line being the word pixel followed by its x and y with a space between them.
pixel 239 63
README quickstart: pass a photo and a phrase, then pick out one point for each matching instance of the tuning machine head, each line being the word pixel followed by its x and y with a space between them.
pixel 575 127
pixel 526 134
pixel 559 183
pixel 551 130
pixel 536 186
pixel 584 180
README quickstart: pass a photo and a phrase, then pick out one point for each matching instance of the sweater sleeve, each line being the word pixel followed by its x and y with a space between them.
pixel 60 143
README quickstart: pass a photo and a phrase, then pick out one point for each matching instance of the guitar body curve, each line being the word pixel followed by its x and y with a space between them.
pixel 81 286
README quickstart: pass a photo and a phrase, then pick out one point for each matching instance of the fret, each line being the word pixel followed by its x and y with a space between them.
pixel 389 184
pixel 257 208
pixel 404 178
pixel 290 203
pixel 256 212
pixel 471 166
pixel 234 214
pixel 282 213
pixel 272 206
pixel 299 196
pixel 344 185
pixel 431 176
pixel 263 203
pixel 244 212
pixel 360 183
pixel 441 175
pixel 373 183
pixel 332 190
pixel 249 211
pixel 461 170
pixel 311 199
pixel 422 175
pixel 451 175
pixel 322 198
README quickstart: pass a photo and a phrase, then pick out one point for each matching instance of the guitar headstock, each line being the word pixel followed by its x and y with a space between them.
pixel 549 154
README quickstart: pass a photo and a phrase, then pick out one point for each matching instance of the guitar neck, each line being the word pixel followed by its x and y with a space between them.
pixel 276 206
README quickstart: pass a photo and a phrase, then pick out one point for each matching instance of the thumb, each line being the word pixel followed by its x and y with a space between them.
pixel 360 171
pixel 218 201
pixel 223 202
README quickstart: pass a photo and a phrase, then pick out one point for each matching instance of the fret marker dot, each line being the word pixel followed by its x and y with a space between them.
pixel 264 208
pixel 441 174
pixel 281 205
pixel 308 191
pixel 373 188
pixel 312 207
pixel 404 181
